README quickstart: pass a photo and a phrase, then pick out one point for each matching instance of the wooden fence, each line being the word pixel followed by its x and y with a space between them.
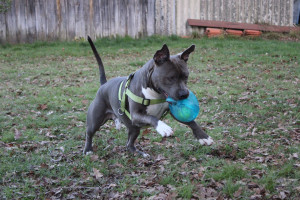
pixel 31 20
pixel 273 12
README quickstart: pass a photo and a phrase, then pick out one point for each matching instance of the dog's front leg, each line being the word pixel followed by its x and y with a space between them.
pixel 199 134
pixel 141 120
pixel 133 133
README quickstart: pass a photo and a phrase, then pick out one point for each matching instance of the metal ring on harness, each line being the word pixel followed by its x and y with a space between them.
pixel 120 112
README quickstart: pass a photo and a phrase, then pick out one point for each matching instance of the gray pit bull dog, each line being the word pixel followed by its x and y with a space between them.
pixel 160 77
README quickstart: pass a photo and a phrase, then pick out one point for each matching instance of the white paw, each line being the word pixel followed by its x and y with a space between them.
pixel 89 153
pixel 145 155
pixel 118 124
pixel 164 129
pixel 207 141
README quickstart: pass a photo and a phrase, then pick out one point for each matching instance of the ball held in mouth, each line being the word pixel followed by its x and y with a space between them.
pixel 185 110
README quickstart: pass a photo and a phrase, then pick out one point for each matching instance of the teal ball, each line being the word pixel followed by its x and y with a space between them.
pixel 185 110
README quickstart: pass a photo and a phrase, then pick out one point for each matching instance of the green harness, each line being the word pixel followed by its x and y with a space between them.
pixel 127 93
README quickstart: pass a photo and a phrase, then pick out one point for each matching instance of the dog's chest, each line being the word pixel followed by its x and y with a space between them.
pixel 156 110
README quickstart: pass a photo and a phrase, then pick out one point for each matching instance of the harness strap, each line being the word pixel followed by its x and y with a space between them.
pixel 133 97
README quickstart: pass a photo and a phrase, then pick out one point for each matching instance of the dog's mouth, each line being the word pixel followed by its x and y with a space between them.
pixel 166 95
pixel 163 92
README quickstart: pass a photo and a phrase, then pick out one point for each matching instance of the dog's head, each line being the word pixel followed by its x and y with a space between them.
pixel 170 73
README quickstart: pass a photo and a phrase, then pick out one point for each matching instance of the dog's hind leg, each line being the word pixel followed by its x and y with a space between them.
pixel 90 132
pixel 96 117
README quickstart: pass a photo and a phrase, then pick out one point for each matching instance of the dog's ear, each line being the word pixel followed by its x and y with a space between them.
pixel 185 55
pixel 162 55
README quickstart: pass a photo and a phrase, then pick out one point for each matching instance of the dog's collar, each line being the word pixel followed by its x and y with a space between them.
pixel 149 80
pixel 127 93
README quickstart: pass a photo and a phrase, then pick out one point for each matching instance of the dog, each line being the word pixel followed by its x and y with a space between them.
pixel 138 101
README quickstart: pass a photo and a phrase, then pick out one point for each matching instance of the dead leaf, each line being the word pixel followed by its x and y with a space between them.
pixel 282 195
pixel 62 149
pixel 256 197
pixel 42 107
pixel 44 166
pixel 184 165
pixel 97 173
pixel 172 195
pixel 94 157
pixel 253 132
pixel 238 192
pixel 18 134
pixel 112 185
pixel 193 159
pixel 252 185
pixel 85 102
pixel 295 155
pixel 50 135
pixel 146 131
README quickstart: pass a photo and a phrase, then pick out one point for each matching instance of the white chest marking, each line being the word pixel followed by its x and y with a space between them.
pixel 156 110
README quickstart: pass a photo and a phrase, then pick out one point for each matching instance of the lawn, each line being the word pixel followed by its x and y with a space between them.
pixel 249 95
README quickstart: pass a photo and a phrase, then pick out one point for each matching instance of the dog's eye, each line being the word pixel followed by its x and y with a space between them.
pixel 171 79
pixel 185 78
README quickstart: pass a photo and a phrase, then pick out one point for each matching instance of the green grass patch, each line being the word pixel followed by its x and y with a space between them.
pixel 248 91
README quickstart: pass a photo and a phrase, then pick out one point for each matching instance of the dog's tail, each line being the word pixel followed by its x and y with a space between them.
pixel 100 64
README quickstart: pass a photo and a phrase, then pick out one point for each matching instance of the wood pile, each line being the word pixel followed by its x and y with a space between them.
pixel 214 32
pixel 252 33
pixel 234 32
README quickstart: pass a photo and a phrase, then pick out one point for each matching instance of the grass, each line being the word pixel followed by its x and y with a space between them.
pixel 248 90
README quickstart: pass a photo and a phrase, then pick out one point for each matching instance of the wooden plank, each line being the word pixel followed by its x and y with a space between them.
pixel 112 18
pixel 97 19
pixel 178 17
pixel 227 13
pixel 41 25
pixel 131 18
pixel 210 12
pixel 172 17
pixel 70 6
pixel 202 9
pixel 216 8
pixel 2 29
pixel 287 14
pixel 282 12
pixel 240 26
pixel 20 17
pixel 30 21
pixel 221 10
pixel 79 20
pixel 63 34
pixel 86 14
pixel 150 17
pixel 51 14
pixel 11 28
pixel 116 17
pixel 103 18
pixel 143 20
pixel 276 11
pixel 122 30
pixel 91 31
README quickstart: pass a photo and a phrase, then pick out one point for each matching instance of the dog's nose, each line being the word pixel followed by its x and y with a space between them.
pixel 183 94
